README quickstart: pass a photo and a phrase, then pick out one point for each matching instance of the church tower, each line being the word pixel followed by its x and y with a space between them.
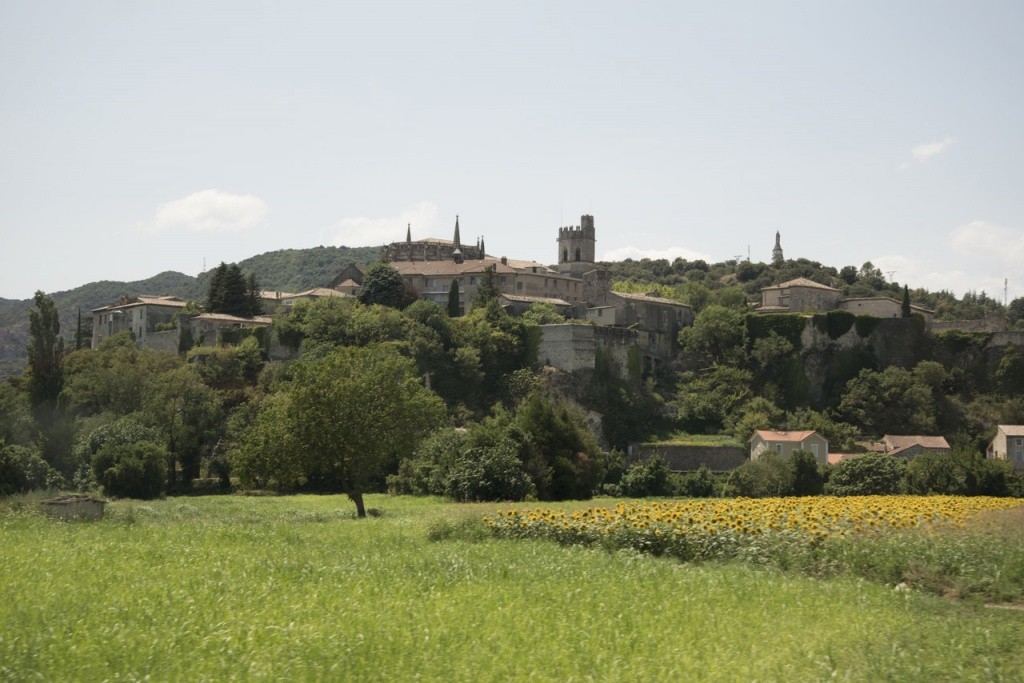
pixel 576 248
pixel 777 251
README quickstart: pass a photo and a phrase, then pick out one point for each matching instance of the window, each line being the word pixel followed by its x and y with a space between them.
pixel 519 286
pixel 814 449
pixel 778 448
pixel 501 281
pixel 577 254
pixel 1019 442
pixel 472 280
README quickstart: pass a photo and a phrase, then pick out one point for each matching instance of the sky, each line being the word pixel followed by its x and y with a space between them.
pixel 141 137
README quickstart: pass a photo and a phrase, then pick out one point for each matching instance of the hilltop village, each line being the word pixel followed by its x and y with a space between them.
pixel 588 324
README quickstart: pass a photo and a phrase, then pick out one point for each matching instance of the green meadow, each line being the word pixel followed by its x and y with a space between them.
pixel 296 588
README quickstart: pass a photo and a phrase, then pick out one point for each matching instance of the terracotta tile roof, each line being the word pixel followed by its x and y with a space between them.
pixel 272 295
pixel 802 282
pixel 651 299
pixel 535 299
pixel 143 300
pixel 224 317
pixel 836 458
pixel 1012 430
pixel 788 437
pixel 899 442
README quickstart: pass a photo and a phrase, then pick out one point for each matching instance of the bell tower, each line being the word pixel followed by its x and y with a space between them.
pixel 576 248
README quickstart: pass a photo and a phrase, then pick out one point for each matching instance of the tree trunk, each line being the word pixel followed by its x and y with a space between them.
pixel 357 498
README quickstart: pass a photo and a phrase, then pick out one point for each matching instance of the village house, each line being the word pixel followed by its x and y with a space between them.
pixel 786 443
pixel 910 446
pixel 150 319
pixel 208 328
pixel 803 295
pixel 1008 444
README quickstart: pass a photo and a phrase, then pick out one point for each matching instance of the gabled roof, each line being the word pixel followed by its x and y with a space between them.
pixel 316 292
pixel 648 298
pixel 788 437
pixel 142 300
pixel 895 442
pixel 1012 430
pixel 801 282
pixel 224 317
pixel 536 300
pixel 913 307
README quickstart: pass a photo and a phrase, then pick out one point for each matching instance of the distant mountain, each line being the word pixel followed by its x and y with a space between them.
pixel 287 270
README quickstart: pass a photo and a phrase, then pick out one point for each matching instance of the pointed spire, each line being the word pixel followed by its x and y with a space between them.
pixel 778 239
pixel 777 257
pixel 408 233
pixel 457 240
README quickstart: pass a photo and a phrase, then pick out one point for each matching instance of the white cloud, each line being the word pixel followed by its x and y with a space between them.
pixel 358 231
pixel 668 253
pixel 927 150
pixel 996 244
pixel 210 211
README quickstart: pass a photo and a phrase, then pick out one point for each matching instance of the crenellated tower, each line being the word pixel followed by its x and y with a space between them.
pixel 576 248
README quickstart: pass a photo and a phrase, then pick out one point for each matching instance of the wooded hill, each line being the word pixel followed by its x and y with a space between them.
pixel 288 270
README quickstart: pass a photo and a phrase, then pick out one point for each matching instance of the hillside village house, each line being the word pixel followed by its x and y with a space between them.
pixel 786 443
pixel 207 327
pixel 149 318
pixel 910 446
pixel 803 295
pixel 1008 444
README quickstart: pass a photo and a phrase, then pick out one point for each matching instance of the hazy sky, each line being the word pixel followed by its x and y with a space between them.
pixel 138 137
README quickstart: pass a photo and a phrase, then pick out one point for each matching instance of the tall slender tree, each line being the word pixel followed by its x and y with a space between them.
pixel 45 353
pixel 905 305
pixel 453 299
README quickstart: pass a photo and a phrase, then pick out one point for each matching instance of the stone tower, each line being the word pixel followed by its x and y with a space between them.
pixel 576 248
pixel 777 251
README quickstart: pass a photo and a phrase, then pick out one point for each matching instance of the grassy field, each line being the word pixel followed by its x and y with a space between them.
pixel 294 588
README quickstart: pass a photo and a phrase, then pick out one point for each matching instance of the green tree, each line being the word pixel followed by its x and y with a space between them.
pixel 893 401
pixel 350 415
pixel 188 415
pixel 230 293
pixel 454 308
pixel 707 399
pixel 45 355
pixel 382 285
pixel 869 474
pixel 905 309
pixel 716 335
pixel 488 290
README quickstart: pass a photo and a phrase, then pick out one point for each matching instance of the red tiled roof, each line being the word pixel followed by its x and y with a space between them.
pixel 1012 430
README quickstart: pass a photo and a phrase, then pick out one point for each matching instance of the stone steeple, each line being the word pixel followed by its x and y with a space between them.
pixel 408 233
pixel 457 239
pixel 777 251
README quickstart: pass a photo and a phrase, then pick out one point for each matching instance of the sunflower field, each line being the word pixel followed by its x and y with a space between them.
pixel 892 538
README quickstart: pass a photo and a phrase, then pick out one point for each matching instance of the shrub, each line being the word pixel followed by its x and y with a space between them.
pixel 700 483
pixel 806 480
pixel 23 469
pixel 488 473
pixel 648 477
pixel 134 470
pixel 866 475
pixel 766 477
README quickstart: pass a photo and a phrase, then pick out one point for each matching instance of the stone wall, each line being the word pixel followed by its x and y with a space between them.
pixel 992 323
pixel 573 347
pixel 689 458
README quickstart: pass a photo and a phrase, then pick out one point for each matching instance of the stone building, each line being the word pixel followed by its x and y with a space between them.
pixel 911 446
pixel 777 257
pixel 432 249
pixel 798 295
pixel 576 247
pixel 1008 444
pixel 151 319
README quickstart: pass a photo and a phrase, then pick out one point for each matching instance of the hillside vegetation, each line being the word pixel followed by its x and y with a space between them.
pixel 288 270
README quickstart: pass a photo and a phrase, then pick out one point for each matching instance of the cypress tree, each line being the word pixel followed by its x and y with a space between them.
pixel 905 306
pixel 45 354
pixel 453 299
pixel 255 301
